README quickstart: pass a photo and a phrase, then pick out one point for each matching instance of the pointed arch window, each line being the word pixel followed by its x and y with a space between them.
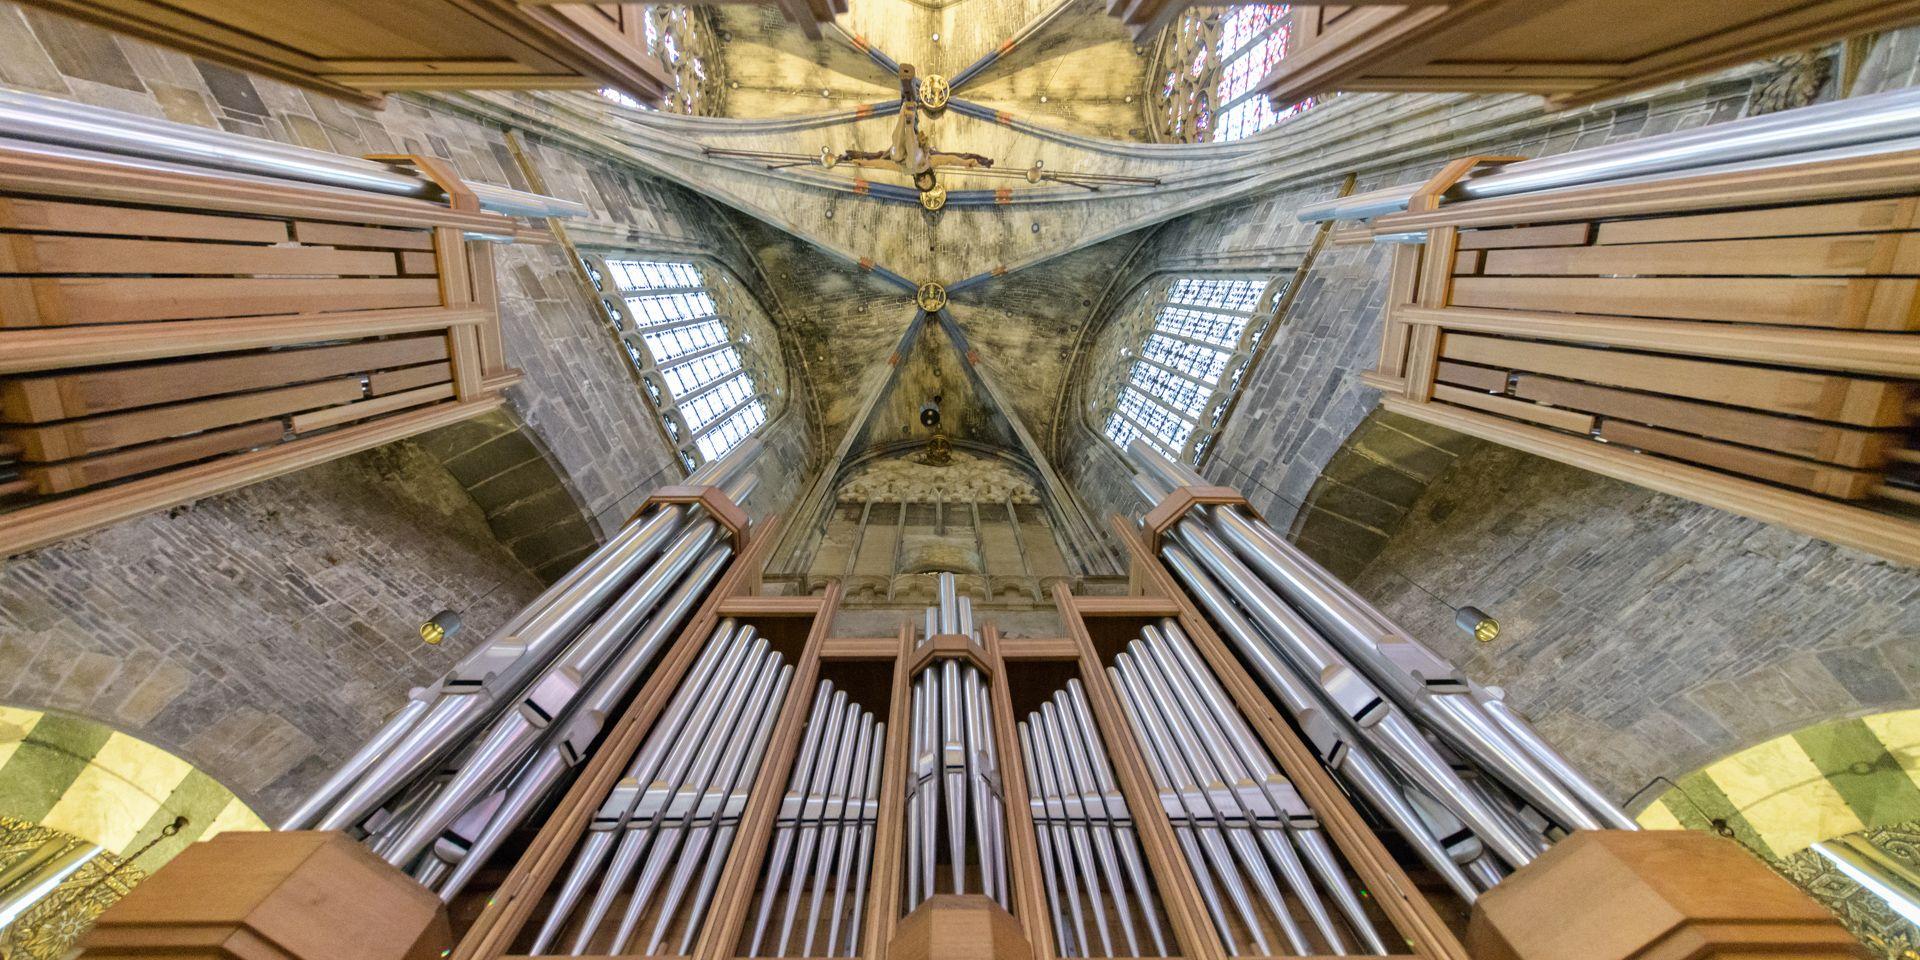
pixel 1214 57
pixel 685 351
pixel 1199 338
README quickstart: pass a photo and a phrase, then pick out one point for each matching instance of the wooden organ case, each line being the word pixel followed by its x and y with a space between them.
pixel 1574 52
pixel 1744 339
pixel 772 790
pixel 170 331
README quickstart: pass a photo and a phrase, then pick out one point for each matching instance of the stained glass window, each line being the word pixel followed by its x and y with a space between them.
pixel 1176 390
pixel 1215 57
pixel 689 350
pixel 686 42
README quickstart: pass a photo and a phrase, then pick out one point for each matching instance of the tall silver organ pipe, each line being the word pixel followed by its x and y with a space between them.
pixel 651 859
pixel 1459 774
pixel 1241 822
pixel 955 790
pixel 461 765
pixel 815 883
pixel 1090 858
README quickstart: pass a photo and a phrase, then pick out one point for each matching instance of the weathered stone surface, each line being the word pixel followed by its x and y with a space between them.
pixel 1646 635
pixel 264 633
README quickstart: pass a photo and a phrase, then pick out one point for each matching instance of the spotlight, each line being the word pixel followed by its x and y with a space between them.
pixel 442 625
pixel 1476 622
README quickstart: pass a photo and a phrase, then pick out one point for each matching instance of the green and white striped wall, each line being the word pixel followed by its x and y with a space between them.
pixel 108 788
pixel 1782 796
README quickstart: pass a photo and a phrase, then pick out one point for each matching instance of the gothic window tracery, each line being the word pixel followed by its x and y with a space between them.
pixel 1195 338
pixel 1214 56
pixel 686 42
pixel 681 340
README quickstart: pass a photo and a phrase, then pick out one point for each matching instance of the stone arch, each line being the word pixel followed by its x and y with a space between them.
pixel 527 500
pixel 1365 491
pixel 89 811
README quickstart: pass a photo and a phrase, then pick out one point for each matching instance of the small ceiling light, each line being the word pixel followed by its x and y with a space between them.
pixel 444 624
pixel 1043 98
pixel 824 93
pixel 936 38
pixel 1476 622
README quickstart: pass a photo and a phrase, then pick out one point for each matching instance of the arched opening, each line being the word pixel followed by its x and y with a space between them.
pixel 1833 807
pixel 86 813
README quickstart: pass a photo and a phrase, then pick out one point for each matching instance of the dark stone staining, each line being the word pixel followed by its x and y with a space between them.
pixel 509 167
pixel 1369 486
pixel 527 505
pixel 232 90
pixel 83 52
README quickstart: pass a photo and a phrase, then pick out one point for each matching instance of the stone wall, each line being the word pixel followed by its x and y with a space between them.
pixel 262 634
pixel 1644 634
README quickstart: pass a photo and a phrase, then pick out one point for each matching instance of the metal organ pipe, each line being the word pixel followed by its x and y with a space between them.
pixel 31 117
pixel 1082 821
pixel 956 771
pixel 1327 731
pixel 1878 123
pixel 823 835
pixel 1446 762
pixel 457 769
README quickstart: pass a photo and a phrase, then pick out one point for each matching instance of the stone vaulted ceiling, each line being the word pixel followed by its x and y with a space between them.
pixel 1054 86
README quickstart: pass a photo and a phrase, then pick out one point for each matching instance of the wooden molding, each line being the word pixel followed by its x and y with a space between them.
pixel 1170 510
pixel 299 895
pixel 1567 50
pixel 712 499
pixel 950 646
pixel 441 44
pixel 1650 895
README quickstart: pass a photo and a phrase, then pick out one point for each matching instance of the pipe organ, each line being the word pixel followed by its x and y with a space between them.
pixel 1726 315
pixel 956 770
pixel 186 311
pixel 1240 758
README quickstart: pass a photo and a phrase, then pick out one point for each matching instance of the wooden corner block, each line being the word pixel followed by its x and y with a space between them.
pixel 303 895
pixel 1652 895
pixel 959 927
pixel 459 195
pixel 1428 196
pixel 713 499
pixel 949 646
pixel 1168 511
